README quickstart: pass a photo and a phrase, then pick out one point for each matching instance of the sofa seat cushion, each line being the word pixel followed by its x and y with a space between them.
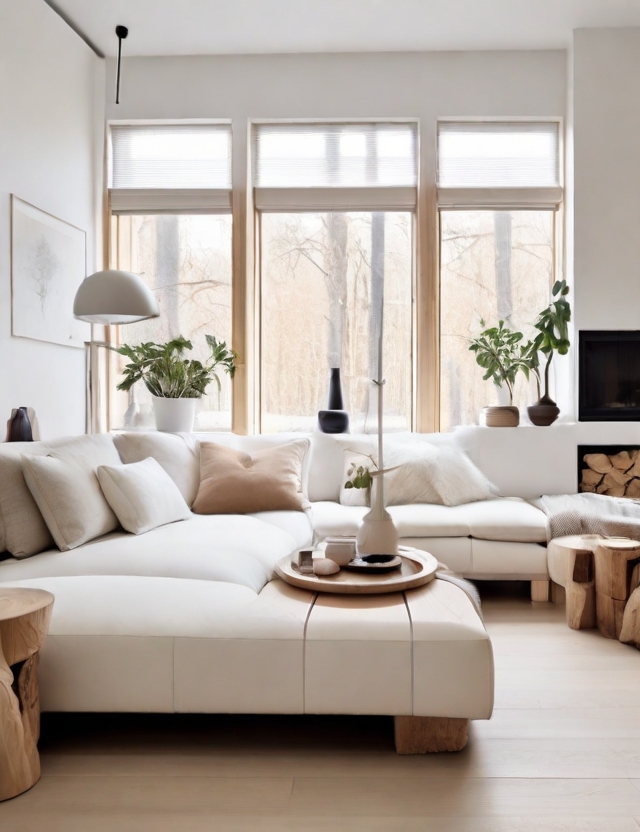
pixel 129 643
pixel 295 523
pixel 233 549
pixel 510 519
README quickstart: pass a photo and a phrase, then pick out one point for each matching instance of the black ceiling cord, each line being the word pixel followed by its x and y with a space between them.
pixel 121 32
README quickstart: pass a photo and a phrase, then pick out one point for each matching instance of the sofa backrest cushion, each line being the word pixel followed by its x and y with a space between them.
pixel 23 530
pixel 64 484
pixel 142 495
pixel 235 482
pixel 176 453
pixel 326 473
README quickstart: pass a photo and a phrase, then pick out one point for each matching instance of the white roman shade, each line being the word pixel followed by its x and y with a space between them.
pixel 170 168
pixel 337 166
pixel 499 164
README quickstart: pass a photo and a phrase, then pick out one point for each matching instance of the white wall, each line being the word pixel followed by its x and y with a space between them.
pixel 606 89
pixel 50 151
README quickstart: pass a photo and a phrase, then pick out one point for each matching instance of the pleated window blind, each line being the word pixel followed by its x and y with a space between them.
pixel 170 167
pixel 335 165
pixel 499 165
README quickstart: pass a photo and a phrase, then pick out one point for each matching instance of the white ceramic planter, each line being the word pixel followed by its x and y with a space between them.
pixel 174 415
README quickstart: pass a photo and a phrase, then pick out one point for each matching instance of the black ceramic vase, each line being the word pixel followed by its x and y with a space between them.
pixel 334 419
pixel 544 412
pixel 19 427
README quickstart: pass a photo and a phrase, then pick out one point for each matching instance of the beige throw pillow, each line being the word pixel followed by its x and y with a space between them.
pixel 142 495
pixel 24 531
pixel 65 486
pixel 234 482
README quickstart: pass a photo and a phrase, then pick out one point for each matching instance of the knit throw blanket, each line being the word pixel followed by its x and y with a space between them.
pixel 590 514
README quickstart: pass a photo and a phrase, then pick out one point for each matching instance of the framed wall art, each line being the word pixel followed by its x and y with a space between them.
pixel 48 263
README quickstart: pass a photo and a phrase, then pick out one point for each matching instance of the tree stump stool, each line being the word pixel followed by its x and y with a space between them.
pixel 571 564
pixel 24 621
pixel 615 559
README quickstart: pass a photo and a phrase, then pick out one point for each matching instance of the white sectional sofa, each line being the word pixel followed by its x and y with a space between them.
pixel 188 617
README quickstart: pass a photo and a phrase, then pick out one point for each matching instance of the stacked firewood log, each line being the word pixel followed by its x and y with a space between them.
pixel 617 475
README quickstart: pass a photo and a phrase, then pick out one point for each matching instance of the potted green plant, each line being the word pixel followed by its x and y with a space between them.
pixel 501 354
pixel 553 336
pixel 174 381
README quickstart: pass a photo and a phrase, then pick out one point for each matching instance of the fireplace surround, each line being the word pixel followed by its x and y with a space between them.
pixel 609 376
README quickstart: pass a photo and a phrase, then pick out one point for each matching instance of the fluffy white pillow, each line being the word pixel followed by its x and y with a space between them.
pixel 421 473
pixel 457 480
pixel 142 495
pixel 65 487
pixel 412 480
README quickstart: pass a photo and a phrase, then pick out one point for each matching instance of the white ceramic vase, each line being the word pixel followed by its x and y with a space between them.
pixel 377 534
pixel 174 415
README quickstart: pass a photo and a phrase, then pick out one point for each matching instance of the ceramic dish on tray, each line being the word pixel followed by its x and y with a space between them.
pixel 374 563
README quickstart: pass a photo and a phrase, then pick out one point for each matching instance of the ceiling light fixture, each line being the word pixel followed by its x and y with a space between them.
pixel 121 32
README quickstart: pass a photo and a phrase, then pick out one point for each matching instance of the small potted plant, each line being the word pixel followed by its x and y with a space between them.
pixel 501 354
pixel 175 382
pixel 553 336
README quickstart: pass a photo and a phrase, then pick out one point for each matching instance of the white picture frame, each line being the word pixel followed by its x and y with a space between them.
pixel 48 263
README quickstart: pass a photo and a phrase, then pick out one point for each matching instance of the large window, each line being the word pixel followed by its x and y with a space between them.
pixel 170 201
pixel 499 191
pixel 186 260
pixel 336 206
pixel 323 274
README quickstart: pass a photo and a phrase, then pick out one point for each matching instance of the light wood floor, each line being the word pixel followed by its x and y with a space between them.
pixel 561 753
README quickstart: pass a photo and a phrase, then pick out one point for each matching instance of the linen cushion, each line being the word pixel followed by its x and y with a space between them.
pixel 142 495
pixel 456 479
pixel 352 461
pixel 173 452
pixel 234 482
pixel 234 549
pixel 23 531
pixel 65 486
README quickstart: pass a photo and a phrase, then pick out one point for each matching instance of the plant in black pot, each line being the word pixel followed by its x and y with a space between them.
pixel 553 336
pixel 501 354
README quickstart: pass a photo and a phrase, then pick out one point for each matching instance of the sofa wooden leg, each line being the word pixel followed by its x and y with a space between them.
pixel 425 734
pixel 539 590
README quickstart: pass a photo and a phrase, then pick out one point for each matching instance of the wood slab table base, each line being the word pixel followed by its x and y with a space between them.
pixel 615 559
pixel 24 621
pixel 430 734
pixel 575 553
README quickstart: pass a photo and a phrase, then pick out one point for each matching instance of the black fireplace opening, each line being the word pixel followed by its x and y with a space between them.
pixel 609 377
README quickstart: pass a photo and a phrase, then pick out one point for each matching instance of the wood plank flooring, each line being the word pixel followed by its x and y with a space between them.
pixel 561 754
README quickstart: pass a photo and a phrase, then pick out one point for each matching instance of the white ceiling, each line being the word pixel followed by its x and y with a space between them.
pixel 204 27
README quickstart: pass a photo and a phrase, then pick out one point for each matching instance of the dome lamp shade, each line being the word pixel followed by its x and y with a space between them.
pixel 114 297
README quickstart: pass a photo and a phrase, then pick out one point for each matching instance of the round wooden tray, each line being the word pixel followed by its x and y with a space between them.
pixel 417 568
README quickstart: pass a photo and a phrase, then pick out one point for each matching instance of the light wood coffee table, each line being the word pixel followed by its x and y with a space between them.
pixel 24 620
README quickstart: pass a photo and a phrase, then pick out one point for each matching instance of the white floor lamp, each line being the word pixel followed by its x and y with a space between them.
pixel 110 297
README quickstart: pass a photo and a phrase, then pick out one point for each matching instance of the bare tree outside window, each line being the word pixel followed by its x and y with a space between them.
pixel 494 265
pixel 186 261
pixel 321 283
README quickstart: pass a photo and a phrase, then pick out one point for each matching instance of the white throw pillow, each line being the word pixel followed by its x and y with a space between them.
pixel 457 480
pixel 65 486
pixel 412 478
pixel 142 495
pixel 354 460
pixel 172 452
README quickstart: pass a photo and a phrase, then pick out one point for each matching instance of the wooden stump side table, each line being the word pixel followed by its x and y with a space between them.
pixel 615 558
pixel 24 620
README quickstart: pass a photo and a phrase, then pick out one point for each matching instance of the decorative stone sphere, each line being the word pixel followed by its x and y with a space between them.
pixel 325 566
